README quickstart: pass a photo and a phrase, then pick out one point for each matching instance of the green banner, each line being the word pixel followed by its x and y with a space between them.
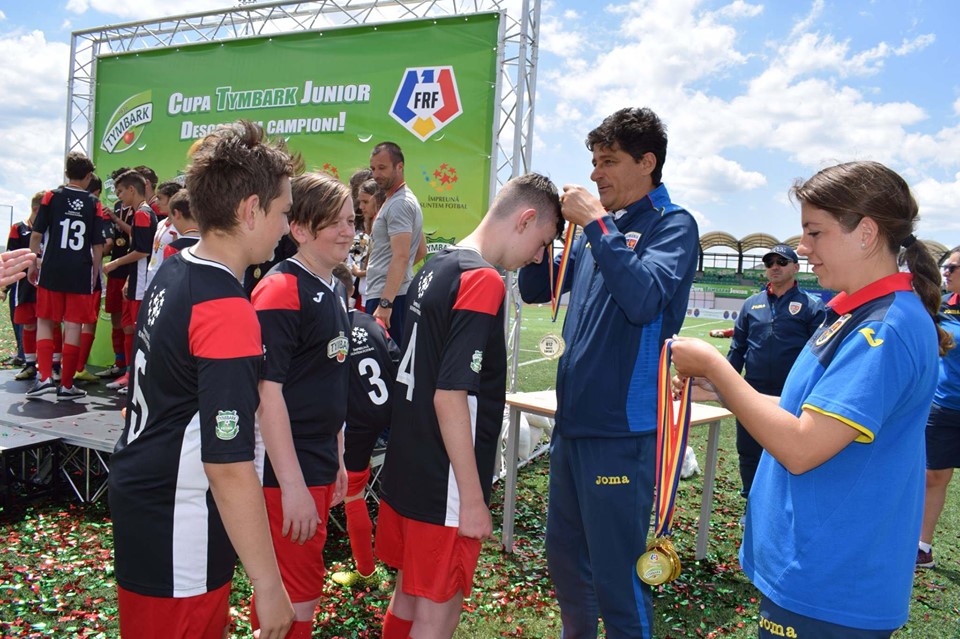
pixel 428 85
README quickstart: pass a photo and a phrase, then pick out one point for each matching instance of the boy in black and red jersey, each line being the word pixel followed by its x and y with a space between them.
pixel 373 369
pixel 25 294
pixel 131 189
pixel 68 227
pixel 303 316
pixel 113 296
pixel 448 410
pixel 88 329
pixel 182 220
pixel 184 492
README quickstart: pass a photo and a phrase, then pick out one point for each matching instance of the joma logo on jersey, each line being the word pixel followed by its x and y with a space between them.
pixel 427 100
pixel 869 334
pixel 126 124
pixel 338 348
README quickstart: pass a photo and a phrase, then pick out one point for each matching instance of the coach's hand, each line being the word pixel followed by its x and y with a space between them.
pixel 274 610
pixel 300 518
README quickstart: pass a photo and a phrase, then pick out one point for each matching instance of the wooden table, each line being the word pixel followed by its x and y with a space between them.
pixel 545 403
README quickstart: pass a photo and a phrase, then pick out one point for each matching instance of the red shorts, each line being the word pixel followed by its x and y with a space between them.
pixel 57 306
pixel 301 567
pixel 25 313
pixel 114 300
pixel 93 309
pixel 436 561
pixel 201 617
pixel 131 308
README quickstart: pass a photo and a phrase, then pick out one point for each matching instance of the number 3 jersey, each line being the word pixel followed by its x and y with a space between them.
pixel 70 220
pixel 455 341
pixel 306 340
pixel 193 400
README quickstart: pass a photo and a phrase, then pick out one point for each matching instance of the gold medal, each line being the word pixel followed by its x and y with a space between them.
pixel 256 273
pixel 660 563
pixel 551 346
pixel 121 241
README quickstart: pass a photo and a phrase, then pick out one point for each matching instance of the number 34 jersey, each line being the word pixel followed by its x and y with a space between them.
pixel 454 341
pixel 193 400
pixel 70 220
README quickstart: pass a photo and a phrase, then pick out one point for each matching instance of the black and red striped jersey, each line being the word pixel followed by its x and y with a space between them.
pixel 143 226
pixel 454 338
pixel 373 370
pixel 121 241
pixel 306 340
pixel 179 244
pixel 23 291
pixel 193 400
pixel 70 220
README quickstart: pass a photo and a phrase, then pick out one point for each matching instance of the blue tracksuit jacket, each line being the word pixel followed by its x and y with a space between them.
pixel 629 280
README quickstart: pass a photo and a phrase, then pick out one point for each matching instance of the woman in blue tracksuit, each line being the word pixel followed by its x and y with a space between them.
pixel 838 497
pixel 943 427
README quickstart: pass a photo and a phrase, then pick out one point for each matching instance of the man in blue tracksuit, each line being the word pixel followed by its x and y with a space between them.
pixel 630 276
pixel 772 329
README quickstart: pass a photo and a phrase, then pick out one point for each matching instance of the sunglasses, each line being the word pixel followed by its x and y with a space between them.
pixel 950 268
pixel 781 261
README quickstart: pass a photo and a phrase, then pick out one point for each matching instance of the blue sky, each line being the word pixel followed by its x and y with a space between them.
pixel 754 95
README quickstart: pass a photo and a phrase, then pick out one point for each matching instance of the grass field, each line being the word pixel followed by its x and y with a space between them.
pixel 56 576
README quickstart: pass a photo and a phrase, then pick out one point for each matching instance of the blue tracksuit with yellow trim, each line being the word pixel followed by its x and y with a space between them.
pixel 630 277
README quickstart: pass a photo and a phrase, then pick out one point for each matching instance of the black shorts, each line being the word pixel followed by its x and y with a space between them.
pixel 943 438
pixel 358 445
pixel 776 623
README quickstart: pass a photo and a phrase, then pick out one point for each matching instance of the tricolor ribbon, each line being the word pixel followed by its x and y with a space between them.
pixel 556 285
pixel 672 431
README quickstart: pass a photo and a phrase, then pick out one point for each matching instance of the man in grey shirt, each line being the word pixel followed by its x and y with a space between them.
pixel 398 241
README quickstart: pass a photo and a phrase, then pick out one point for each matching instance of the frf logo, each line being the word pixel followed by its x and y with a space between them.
pixel 427 100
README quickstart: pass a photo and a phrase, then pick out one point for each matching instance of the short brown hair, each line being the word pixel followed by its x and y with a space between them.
pixel 231 164
pixel 79 166
pixel 180 202
pixel 317 200
pixel 132 178
pixel 168 188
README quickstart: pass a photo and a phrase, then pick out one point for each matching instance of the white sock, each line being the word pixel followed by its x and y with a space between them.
pixel 925 547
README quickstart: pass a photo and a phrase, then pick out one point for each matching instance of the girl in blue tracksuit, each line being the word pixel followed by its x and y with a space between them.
pixel 943 427
pixel 838 496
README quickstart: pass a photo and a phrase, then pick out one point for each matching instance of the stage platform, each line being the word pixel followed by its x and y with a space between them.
pixel 87 428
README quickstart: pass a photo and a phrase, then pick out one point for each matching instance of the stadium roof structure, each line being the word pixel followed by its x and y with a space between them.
pixel 759 241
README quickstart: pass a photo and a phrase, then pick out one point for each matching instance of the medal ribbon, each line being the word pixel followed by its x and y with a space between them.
pixel 556 287
pixel 672 431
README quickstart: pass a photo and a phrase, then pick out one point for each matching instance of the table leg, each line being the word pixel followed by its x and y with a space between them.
pixel 706 501
pixel 510 484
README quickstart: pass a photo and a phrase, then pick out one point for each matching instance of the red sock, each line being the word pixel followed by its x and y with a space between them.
pixel 396 628
pixel 57 338
pixel 116 334
pixel 300 630
pixel 360 531
pixel 68 367
pixel 128 346
pixel 45 358
pixel 86 343
pixel 30 343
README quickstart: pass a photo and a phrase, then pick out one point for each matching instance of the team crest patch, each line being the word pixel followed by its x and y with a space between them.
pixel 832 330
pixel 632 238
pixel 228 424
pixel 338 348
pixel 427 100
pixel 794 307
pixel 476 363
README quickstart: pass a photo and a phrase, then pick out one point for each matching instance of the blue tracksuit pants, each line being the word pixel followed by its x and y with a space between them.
pixel 601 495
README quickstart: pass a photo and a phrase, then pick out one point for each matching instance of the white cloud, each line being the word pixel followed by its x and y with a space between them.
pixel 33 82
pixel 3 16
pixel 938 205
pixel 956 106
pixel 711 178
pixel 740 9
